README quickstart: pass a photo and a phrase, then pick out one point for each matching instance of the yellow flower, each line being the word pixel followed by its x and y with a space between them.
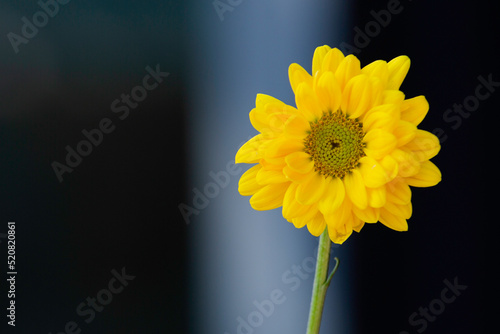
pixel 347 154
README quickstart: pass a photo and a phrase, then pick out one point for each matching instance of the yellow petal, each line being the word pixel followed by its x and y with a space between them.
pixel 407 164
pixel 429 175
pixel 333 197
pixel 307 102
pixel 311 190
pixel 249 152
pixel 297 126
pixel 316 225
pixel 398 192
pixel 302 220
pixel 265 176
pixel 282 146
pixel 247 184
pixel 295 176
pixel 358 225
pixel 393 97
pixel 297 75
pixel 414 110
pixel 377 90
pixel 383 117
pixel 273 163
pixel 258 119
pixel 390 165
pixel 300 162
pixel 319 56
pixel 292 208
pixel 398 68
pixel 404 210
pixel 394 222
pixel 374 174
pixel 369 215
pixel 332 60
pixel 328 91
pixel 404 132
pixel 378 69
pixel 340 223
pixel 299 222
pixel 357 95
pixel 269 197
pixel 348 68
pixel 355 189
pixel 377 197
pixel 262 99
pixel 424 146
pixel 275 121
pixel 379 143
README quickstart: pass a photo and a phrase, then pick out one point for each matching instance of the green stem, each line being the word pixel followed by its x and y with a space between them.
pixel 321 283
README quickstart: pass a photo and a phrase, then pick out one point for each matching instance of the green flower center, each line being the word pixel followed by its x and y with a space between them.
pixel 335 144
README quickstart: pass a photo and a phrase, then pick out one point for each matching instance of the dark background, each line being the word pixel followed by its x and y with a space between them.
pixel 118 208
pixel 451 44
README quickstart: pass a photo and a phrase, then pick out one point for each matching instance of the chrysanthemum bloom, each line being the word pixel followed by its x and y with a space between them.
pixel 348 154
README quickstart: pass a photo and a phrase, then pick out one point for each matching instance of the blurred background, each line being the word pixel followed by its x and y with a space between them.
pixel 119 122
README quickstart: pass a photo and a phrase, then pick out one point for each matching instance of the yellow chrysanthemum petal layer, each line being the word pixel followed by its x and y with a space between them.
pixel 424 145
pixel 377 69
pixel 268 176
pixel 291 207
pixel 384 117
pixel 249 153
pixel 340 223
pixel 316 225
pixel 298 75
pixel 348 68
pixel 398 192
pixel 392 221
pixel 269 197
pixel 311 190
pixel 379 143
pixel 332 60
pixel 377 197
pixel 356 189
pixel 301 221
pixel 428 175
pixel 395 153
pixel 318 57
pixel 333 197
pixel 299 162
pixel 307 102
pixel 297 126
pixel 248 185
pixel 357 96
pixel 398 68
pixel 281 146
pixel 414 110
pixel 374 174
pixel 328 91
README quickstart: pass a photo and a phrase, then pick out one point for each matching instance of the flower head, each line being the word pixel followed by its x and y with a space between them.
pixel 347 154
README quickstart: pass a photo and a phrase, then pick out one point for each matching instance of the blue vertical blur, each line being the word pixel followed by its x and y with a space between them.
pixel 250 271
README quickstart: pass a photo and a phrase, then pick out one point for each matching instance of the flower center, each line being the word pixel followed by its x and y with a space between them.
pixel 335 144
